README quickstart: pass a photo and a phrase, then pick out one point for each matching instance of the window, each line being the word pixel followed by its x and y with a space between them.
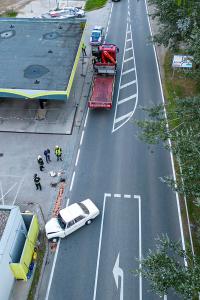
pixel 84 208
pixel 79 218
pixel 71 223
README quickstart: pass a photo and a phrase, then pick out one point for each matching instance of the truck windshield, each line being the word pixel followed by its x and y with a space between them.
pixel 84 208
pixel 61 222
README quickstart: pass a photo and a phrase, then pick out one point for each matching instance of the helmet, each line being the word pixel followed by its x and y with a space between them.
pixel 56 147
pixel 39 156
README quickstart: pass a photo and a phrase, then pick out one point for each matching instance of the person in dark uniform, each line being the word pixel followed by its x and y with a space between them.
pixel 47 155
pixel 36 179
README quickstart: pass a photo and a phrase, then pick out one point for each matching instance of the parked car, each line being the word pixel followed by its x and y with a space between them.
pixel 61 14
pixel 97 36
pixel 71 218
pixel 78 12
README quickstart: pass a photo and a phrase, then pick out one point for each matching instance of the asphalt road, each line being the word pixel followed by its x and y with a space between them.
pixel 121 175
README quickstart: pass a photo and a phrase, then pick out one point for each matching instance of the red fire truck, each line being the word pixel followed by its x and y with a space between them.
pixel 105 64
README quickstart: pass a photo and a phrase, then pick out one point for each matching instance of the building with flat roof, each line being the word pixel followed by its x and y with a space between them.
pixel 39 57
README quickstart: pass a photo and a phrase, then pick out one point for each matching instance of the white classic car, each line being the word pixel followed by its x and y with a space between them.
pixel 71 218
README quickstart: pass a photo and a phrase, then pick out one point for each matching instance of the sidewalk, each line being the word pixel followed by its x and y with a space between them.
pixel 19 163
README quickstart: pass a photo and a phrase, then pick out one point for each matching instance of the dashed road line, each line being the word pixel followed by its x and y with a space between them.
pixel 77 157
pixel 82 135
pixel 127 196
pixel 117 195
pixel 72 181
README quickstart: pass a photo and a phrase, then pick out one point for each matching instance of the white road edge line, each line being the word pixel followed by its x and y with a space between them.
pixel 77 157
pixel 82 137
pixel 172 162
pixel 140 243
pixel 99 249
pixel 52 271
pixel 127 99
pixel 54 264
pixel 72 181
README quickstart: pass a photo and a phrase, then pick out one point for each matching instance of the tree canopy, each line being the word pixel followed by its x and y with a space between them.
pixel 166 269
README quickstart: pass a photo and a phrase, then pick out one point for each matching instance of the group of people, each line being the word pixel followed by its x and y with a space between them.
pixel 47 152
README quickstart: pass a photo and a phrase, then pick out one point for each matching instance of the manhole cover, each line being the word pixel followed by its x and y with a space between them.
pixel 7 34
pixel 51 35
pixel 35 71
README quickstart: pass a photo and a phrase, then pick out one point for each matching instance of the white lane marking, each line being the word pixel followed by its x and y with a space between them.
pixel 128 49
pixel 140 241
pixel 77 157
pixel 127 84
pixel 108 24
pixel 127 196
pixel 82 135
pixel 128 115
pixel 128 71
pixel 18 189
pixel 127 99
pixel 86 118
pixel 128 40
pixel 128 32
pixel 2 196
pixel 129 13
pixel 72 181
pixel 128 59
pixel 165 297
pixel 52 271
pixel 10 189
pixel 171 155
pixel 54 264
pixel 117 195
pixel 99 249
pixel 135 106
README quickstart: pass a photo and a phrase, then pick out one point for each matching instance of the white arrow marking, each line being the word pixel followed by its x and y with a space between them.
pixel 118 272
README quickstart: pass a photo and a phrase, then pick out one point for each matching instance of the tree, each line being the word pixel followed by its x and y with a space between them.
pixel 169 267
pixel 182 127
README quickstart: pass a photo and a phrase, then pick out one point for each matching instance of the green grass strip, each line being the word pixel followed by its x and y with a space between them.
pixel 94 4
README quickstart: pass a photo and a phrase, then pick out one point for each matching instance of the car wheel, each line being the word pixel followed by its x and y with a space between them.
pixel 88 222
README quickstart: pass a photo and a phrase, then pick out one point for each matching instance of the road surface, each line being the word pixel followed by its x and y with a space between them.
pixel 121 175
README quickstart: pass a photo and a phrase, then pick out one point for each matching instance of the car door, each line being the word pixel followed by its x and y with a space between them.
pixel 74 224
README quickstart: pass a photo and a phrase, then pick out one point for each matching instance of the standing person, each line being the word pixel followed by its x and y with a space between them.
pixel 47 155
pixel 37 182
pixel 58 153
pixel 40 162
pixel 84 49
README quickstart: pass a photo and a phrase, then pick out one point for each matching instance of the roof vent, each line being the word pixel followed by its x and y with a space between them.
pixel 50 51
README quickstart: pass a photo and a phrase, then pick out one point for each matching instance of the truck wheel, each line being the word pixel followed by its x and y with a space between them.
pixel 88 222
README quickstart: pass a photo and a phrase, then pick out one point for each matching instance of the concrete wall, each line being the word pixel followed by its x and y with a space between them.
pixel 11 243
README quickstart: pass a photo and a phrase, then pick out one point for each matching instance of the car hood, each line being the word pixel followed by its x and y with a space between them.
pixel 52 226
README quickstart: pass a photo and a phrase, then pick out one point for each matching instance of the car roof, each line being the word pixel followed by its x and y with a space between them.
pixel 71 212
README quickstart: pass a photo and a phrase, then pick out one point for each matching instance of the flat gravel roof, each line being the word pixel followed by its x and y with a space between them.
pixel 38 54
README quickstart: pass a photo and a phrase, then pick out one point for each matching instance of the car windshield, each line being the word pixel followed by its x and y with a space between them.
pixel 61 222
pixel 84 208
pixel 95 34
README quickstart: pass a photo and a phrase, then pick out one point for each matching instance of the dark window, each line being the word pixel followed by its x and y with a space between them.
pixel 71 223
pixel 79 218
pixel 61 222
pixel 84 208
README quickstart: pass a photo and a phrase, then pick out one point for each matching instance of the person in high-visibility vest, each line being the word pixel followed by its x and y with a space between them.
pixel 84 49
pixel 58 153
